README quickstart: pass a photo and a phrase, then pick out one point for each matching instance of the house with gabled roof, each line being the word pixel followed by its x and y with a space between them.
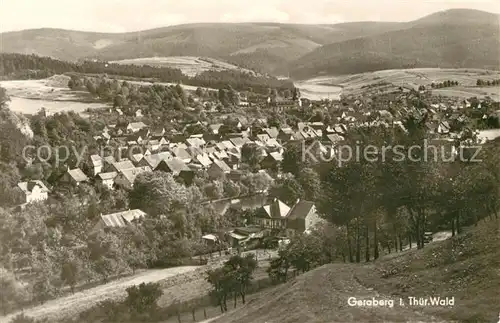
pixel 272 132
pixel 119 219
pixel 302 218
pixel 74 177
pixel 136 126
pixel 107 179
pixel 334 138
pixel 109 161
pixel 174 165
pixel 152 145
pixel 197 142
pixel 33 191
pixel 273 143
pixel 264 137
pixel 177 168
pixel 238 141
pixel 162 141
pixel 214 128
pixel 222 155
pixel 218 169
pixel 136 158
pixel 194 151
pixel 97 164
pixel 329 129
pixel 271 161
pixel 127 177
pixel 273 215
pixel 443 127
pixel 154 159
pixel 203 159
pixel 122 165
pixel 134 139
pixel 286 134
pixel 340 129
pixel 227 145
pixel 182 154
pixel 157 132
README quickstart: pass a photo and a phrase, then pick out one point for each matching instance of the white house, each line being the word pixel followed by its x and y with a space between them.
pixel 33 191
pixel 107 179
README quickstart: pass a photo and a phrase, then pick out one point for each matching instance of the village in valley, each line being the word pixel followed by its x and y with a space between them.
pixel 197 189
pixel 224 151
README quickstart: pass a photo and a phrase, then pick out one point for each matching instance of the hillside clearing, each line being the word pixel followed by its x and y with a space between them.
pixel 189 65
pixel 391 79
pixel 53 94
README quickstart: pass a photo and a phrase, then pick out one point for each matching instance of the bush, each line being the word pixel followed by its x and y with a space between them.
pixel 143 298
pixel 21 318
pixel 12 292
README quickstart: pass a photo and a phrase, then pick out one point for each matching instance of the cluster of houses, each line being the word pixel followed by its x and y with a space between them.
pixel 275 219
pixel 221 154
pixel 145 149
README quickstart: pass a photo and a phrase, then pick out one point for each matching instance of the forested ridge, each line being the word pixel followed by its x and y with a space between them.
pixel 18 66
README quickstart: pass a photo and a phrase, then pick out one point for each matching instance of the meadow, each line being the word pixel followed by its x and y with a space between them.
pixel 189 65
pixel 53 94
pixel 413 78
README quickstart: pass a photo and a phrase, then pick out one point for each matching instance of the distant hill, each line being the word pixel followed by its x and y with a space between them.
pixel 263 47
pixel 452 38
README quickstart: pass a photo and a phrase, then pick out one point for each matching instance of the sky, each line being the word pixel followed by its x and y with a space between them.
pixel 135 15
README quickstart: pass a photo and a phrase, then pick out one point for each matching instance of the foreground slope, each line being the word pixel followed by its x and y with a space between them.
pixel 453 38
pixel 319 296
pixel 465 267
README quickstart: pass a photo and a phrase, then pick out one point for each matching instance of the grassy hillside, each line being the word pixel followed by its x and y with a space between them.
pixel 390 80
pixel 465 267
pixel 258 46
pixel 189 65
pixel 454 38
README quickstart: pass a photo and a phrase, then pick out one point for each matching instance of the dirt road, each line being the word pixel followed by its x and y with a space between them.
pixel 80 301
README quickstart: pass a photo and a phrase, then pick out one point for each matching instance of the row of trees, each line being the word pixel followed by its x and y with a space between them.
pixel 447 83
pixel 480 82
pixel 383 201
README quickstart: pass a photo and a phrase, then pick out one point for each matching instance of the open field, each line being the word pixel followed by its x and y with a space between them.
pixel 189 65
pixel 314 89
pixel 53 94
pixel 413 78
pixel 466 92
pixel 184 86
